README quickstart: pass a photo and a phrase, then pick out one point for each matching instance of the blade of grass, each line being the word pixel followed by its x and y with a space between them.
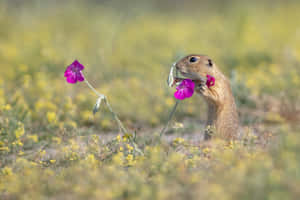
pixel 170 118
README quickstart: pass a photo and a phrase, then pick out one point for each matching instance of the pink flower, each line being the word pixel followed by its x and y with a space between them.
pixel 73 72
pixel 210 81
pixel 185 89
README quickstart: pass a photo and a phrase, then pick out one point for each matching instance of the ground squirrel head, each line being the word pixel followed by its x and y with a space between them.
pixel 196 67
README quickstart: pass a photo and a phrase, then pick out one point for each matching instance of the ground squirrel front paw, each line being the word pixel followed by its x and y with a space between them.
pixel 202 89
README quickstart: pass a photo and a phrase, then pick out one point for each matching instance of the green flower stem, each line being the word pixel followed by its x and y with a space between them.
pixel 170 117
pixel 120 124
pixel 94 90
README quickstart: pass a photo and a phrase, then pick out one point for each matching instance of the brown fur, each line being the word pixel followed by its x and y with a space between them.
pixel 222 113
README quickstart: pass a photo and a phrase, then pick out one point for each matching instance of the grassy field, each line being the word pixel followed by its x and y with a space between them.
pixel 52 147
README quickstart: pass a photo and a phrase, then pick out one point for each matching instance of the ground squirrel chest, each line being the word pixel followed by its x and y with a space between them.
pixel 222 112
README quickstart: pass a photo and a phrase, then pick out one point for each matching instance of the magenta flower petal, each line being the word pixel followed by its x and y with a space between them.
pixel 80 76
pixel 78 65
pixel 71 79
pixel 189 92
pixel 210 81
pixel 73 72
pixel 185 89
pixel 179 94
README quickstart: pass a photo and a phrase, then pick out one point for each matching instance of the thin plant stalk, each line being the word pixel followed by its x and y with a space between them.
pixel 170 118
pixel 120 124
pixel 94 90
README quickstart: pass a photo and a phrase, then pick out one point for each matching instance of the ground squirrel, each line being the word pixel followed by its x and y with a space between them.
pixel 222 113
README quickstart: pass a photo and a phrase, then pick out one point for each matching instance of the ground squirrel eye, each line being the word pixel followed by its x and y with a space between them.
pixel 193 59
pixel 210 63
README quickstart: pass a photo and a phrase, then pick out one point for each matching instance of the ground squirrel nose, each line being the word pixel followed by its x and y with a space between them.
pixel 177 66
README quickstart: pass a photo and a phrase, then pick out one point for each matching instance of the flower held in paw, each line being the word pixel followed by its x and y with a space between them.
pixel 185 89
pixel 210 81
pixel 73 72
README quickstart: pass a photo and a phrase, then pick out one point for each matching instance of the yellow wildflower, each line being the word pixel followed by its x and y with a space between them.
pixel 178 125
pixel 51 117
pixel 57 140
pixel 90 159
pixel 4 149
pixel 20 130
pixel 129 157
pixel 118 138
pixel 95 138
pixel 42 153
pixel 87 115
pixel 129 148
pixel 52 161
pixel 130 160
pixel 17 142
pixel 33 137
pixel 178 140
pixel 230 145
pixel 71 124
pixel 7 107
pixel 206 150
pixel 7 171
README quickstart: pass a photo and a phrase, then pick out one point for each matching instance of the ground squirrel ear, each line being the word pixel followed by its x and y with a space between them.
pixel 210 63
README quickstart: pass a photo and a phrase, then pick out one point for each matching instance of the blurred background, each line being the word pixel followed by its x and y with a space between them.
pixel 52 147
